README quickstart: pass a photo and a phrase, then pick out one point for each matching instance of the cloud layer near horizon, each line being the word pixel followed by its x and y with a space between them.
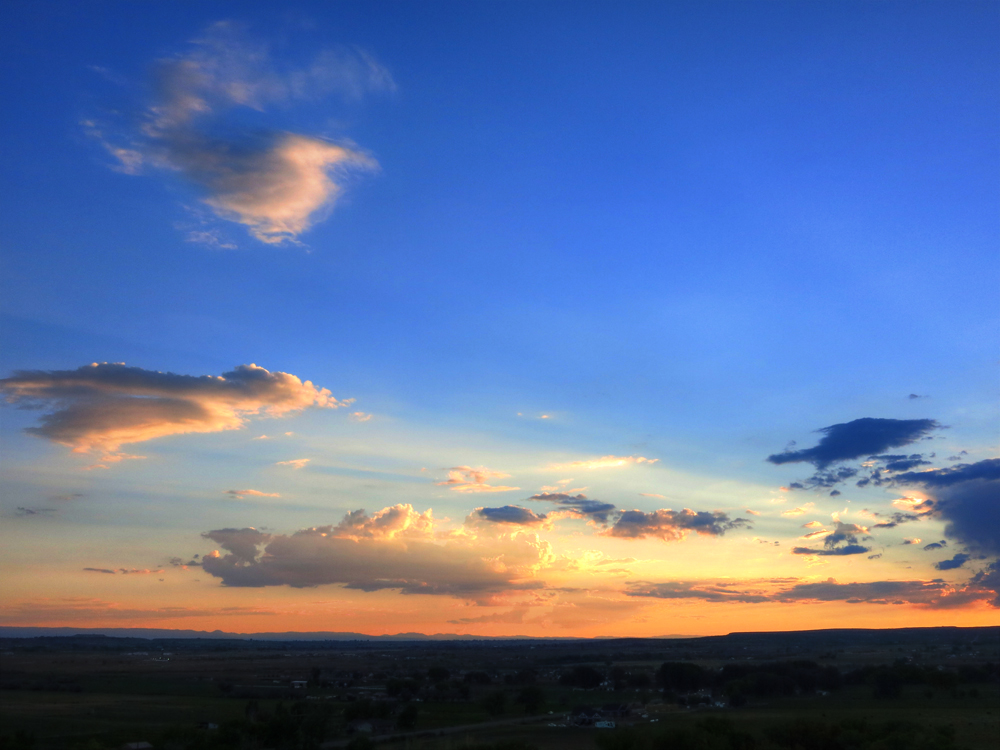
pixel 100 407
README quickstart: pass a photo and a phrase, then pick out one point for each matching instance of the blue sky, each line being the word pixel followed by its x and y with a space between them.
pixel 692 232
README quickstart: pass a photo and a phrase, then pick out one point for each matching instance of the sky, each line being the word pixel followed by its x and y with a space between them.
pixel 497 318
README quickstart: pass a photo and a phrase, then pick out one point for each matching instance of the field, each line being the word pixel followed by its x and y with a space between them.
pixel 931 690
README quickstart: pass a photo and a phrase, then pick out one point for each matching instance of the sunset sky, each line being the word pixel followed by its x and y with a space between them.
pixel 538 318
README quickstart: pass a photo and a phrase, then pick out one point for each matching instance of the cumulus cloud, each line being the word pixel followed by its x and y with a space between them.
pixel 396 548
pixel 607 462
pixel 389 523
pixel 578 506
pixel 856 439
pixel 99 407
pixel 467 479
pixel 273 182
pixel 240 494
pixel 670 525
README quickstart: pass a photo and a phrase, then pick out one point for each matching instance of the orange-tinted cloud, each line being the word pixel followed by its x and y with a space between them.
pixel 99 407
pixel 395 548
pixel 467 479
pixel 607 462
pixel 295 463
pixel 240 494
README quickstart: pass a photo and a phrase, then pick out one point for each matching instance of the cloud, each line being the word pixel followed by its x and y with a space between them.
pixel 751 512
pixel 935 545
pixel 670 525
pixel 956 562
pixel 705 591
pixel 513 617
pixel 276 183
pixel 930 593
pixel 895 519
pixel 812 525
pixel 124 571
pixel 967 498
pixel 240 494
pixel 511 514
pixel 360 416
pixel 467 479
pixel 100 407
pixel 849 549
pixel 389 523
pixel 843 533
pixel 793 512
pixel 659 497
pixel 360 554
pixel 935 594
pixel 606 462
pixel 22 511
pixel 578 506
pixel 911 541
pixel 295 463
pixel 861 437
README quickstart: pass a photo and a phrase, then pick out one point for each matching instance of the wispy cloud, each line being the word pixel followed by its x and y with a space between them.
pixel 467 479
pixel 295 463
pixel 275 183
pixel 606 462
pixel 240 494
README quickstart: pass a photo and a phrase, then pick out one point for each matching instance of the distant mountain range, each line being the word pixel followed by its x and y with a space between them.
pixel 32 632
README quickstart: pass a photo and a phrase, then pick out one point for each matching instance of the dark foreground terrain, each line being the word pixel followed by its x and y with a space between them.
pixel 927 689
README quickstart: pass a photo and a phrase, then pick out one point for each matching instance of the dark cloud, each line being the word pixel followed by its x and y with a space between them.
pixel 21 511
pixel 509 514
pixel 99 570
pixel 895 519
pixel 935 545
pixel 579 505
pixel 850 549
pixel 967 498
pixel 988 579
pixel 100 407
pixel 956 562
pixel 672 525
pixel 857 439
